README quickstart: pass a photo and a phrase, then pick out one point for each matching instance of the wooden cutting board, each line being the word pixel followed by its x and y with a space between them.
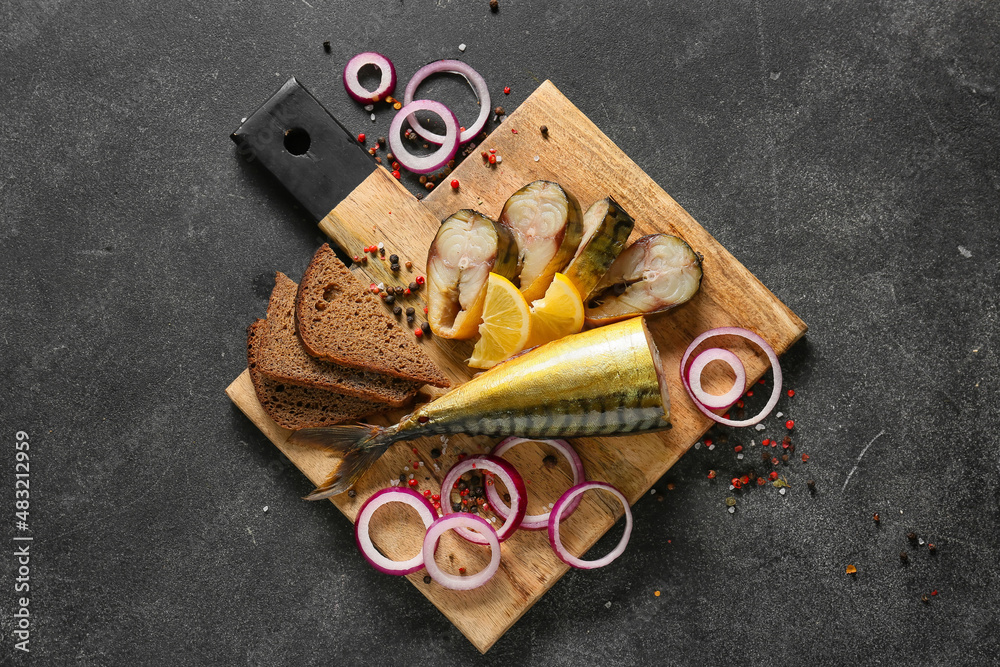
pixel 576 154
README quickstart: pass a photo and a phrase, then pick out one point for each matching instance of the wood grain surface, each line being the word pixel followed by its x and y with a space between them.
pixel 575 153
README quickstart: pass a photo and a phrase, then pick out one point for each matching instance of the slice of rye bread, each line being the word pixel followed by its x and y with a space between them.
pixel 283 357
pixel 295 407
pixel 340 320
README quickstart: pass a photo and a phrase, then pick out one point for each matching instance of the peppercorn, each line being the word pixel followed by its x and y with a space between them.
pixel 394 259
pixel 456 507
pixel 812 486
pixel 394 267
pixel 494 5
pixel 414 287
pixel 426 328
pixel 326 47
pixel 408 264
pixel 544 130
pixel 389 298
pixel 499 111
pixel 421 280
pixel 361 138
pixel 435 453
pixel 454 184
pixel 876 518
pixel 429 186
pixel 413 482
pixel 410 311
pixel 912 537
pixel 396 310
pixel 549 461
pixel 506 90
pixel 903 557
pixel 493 159
pixel 351 493
pixel 784 457
pixel 396 174
pixel 427 578
pixel 931 547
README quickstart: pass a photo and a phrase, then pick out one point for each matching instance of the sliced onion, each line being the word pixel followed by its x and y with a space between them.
pixel 507 474
pixel 753 338
pixel 557 515
pixel 406 496
pixel 353 85
pixel 475 80
pixel 467 522
pixel 536 521
pixel 714 401
pixel 424 164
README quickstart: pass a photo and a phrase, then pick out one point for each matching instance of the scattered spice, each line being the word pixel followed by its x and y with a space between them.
pixel 851 569
pixel 423 419
pixel 773 475
pixel 506 90
pixel 435 453
pixel 494 5
pixel 426 328
pixel 549 461
pixel 925 599
pixel 493 159
pixel 413 483
pixel 544 129
pixel 427 579
pixel 730 501
pixel 656 593
pixel 408 264
pixel 912 537
pixel 711 474
pixel 361 138
pixel 812 486
pixel 418 333
pixel 326 46
pixel 876 518
pixel 736 483
pixel 791 392
pixel 396 174
pixel 429 185
pixel 789 424
pixel 351 493
pixel 931 547
pixel 903 557
pixel 454 184
pixel 499 111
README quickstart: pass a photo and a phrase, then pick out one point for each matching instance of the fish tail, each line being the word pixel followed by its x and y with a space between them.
pixel 357 446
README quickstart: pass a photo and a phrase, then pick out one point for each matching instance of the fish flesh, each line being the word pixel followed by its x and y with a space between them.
pixel 547 224
pixel 468 246
pixel 656 273
pixel 606 381
pixel 606 227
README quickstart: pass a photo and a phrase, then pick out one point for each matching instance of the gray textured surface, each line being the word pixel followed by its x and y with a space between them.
pixel 845 152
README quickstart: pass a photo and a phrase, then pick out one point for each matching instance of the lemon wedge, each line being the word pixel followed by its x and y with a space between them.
pixel 559 313
pixel 506 324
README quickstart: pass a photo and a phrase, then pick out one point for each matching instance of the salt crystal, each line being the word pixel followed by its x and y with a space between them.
pixel 419 463
pixel 373 118
pixel 711 447
pixel 966 253
pixel 381 286
pixel 652 492
pixel 411 475
pixel 781 490
pixel 499 159
pixel 697 445
pixel 921 541
pixel 406 469
pixel 381 245
pixel 759 427
pixel 731 487
pixel 437 467
pixel 244 120
pixel 536 158
pixel 608 604
pixel 780 414
pixel 775 75
pixel 739 457
pixel 732 510
pixel 265 508
pixel 369 107
pixel 461 47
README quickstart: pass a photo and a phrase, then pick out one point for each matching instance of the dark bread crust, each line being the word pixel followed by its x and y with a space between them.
pixel 283 358
pixel 339 320
pixel 300 407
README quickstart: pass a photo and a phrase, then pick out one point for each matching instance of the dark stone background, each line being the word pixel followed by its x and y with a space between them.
pixel 845 152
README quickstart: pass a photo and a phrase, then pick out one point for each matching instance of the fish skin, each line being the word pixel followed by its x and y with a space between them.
pixel 454 312
pixel 604 381
pixel 602 242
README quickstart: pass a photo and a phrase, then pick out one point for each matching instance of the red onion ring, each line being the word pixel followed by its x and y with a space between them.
pixel 507 474
pixel 714 401
pixel 406 496
pixel 536 521
pixel 353 86
pixel 557 516
pixel 753 338
pixel 424 164
pixel 463 521
pixel 475 80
